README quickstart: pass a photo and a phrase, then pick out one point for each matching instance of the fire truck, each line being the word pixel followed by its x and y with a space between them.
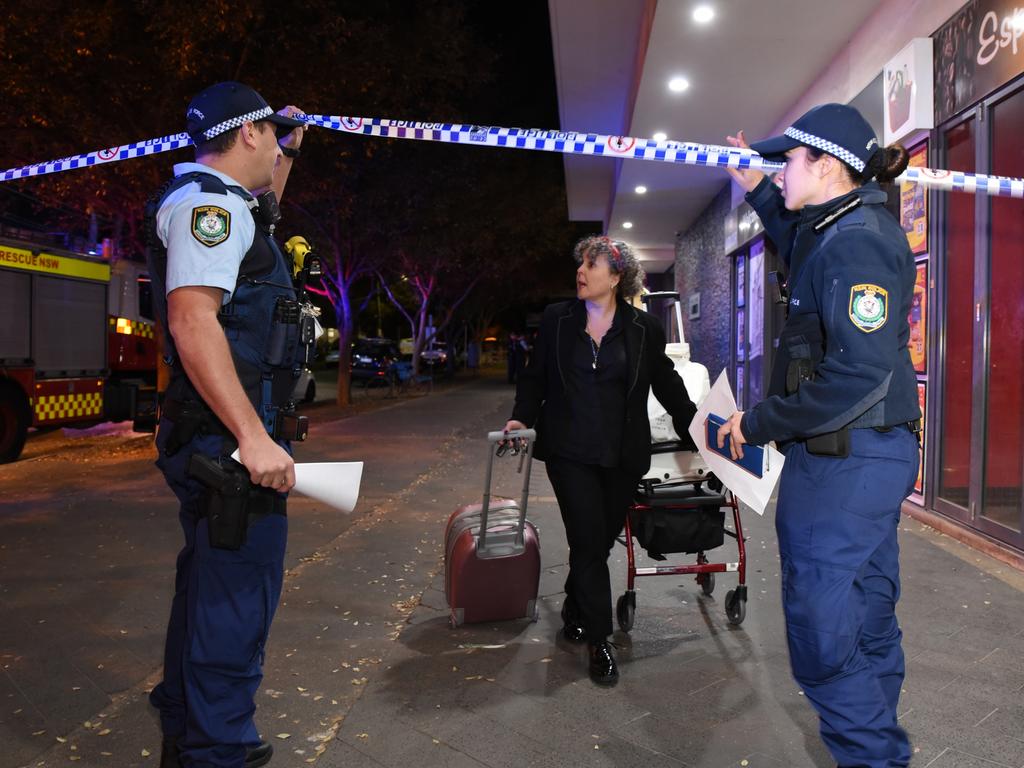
pixel 77 342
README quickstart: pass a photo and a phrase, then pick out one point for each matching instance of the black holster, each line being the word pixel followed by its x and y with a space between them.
pixel 835 444
pixel 230 502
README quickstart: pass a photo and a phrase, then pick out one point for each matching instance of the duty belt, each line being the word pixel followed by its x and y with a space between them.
pixel 916 426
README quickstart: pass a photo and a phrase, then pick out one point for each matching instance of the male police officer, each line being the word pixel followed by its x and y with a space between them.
pixel 843 404
pixel 224 294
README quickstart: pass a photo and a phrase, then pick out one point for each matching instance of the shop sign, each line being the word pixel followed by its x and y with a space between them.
pixel 976 51
pixel 742 225
pixel 909 95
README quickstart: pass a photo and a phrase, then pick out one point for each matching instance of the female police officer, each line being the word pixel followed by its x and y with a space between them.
pixel 843 405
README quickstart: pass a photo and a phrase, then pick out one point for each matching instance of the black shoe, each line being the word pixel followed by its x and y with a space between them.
pixel 259 755
pixel 574 633
pixel 255 757
pixel 572 629
pixel 603 669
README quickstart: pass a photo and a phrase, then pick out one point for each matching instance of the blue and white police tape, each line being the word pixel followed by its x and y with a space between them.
pixel 100 156
pixel 566 142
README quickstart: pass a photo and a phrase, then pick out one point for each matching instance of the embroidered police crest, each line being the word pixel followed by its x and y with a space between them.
pixel 869 306
pixel 211 225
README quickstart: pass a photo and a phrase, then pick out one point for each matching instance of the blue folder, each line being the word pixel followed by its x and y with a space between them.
pixel 753 455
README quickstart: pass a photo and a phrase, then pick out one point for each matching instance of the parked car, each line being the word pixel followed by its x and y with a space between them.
pixel 305 387
pixel 435 357
pixel 371 359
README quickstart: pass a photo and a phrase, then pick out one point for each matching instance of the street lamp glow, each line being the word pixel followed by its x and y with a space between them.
pixel 627 225
pixel 678 84
pixel 702 14
pixel 641 189
pixel 660 136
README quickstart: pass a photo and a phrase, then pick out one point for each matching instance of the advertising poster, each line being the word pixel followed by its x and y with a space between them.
pixel 919 484
pixel 755 302
pixel 741 280
pixel 918 319
pixel 914 205
pixel 741 334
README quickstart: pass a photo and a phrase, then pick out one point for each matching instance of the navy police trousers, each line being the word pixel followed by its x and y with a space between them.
pixel 223 604
pixel 837 523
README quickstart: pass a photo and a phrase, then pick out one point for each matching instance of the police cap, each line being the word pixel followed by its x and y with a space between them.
pixel 225 106
pixel 837 129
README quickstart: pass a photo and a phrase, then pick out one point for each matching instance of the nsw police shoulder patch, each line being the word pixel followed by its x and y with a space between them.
pixel 869 306
pixel 211 224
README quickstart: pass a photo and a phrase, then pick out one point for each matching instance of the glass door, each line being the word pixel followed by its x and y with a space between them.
pixel 953 462
pixel 1001 510
pixel 979 457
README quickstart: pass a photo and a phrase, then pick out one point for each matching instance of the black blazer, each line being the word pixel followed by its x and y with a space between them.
pixel 541 389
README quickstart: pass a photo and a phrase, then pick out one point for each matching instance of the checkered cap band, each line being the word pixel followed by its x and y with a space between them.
pixel 237 122
pixel 826 146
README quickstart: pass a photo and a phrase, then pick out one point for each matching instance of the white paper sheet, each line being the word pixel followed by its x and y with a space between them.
pixel 752 491
pixel 335 483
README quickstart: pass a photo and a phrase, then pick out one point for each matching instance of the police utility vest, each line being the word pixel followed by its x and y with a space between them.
pixel 261 321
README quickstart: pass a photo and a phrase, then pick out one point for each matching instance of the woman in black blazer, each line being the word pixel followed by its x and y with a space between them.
pixel 585 392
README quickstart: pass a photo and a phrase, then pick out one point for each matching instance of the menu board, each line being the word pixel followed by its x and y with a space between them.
pixel 918 319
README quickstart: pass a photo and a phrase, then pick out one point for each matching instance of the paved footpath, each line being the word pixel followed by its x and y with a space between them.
pixel 363 669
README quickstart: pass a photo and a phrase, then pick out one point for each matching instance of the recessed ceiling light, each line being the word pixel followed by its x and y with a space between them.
pixel 660 136
pixel 627 225
pixel 702 14
pixel 641 189
pixel 678 84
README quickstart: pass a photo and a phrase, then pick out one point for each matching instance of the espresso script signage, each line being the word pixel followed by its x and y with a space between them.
pixel 976 51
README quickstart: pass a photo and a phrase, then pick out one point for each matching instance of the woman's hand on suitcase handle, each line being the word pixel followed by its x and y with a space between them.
pixel 516 444
pixel 731 429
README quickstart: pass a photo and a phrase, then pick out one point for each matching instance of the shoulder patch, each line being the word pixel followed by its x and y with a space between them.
pixel 869 306
pixel 211 224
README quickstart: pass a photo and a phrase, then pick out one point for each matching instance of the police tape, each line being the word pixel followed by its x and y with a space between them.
pixel 565 142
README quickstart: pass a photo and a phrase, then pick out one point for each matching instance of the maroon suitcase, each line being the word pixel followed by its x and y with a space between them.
pixel 492 553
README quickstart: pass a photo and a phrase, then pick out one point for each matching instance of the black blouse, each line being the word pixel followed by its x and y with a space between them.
pixel 596 396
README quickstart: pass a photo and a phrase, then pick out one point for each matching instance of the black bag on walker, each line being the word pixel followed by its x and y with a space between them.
pixel 664 531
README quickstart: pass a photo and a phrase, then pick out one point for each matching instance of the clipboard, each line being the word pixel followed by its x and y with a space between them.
pixel 753 460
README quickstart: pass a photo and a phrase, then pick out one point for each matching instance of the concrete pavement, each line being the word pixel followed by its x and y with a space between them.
pixel 363 670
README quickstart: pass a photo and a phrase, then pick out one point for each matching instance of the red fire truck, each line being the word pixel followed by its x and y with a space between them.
pixel 77 341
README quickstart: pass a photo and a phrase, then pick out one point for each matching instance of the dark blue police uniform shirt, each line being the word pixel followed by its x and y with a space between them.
pixel 851 289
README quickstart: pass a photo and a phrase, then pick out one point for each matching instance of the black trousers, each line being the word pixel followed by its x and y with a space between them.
pixel 593 501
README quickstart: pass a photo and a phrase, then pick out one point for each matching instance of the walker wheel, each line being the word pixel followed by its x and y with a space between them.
pixel 625 610
pixel 707 582
pixel 735 607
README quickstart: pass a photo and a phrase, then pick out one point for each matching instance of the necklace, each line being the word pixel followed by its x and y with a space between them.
pixel 595 349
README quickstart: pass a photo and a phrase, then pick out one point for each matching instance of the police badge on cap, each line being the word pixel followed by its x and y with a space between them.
pixel 225 106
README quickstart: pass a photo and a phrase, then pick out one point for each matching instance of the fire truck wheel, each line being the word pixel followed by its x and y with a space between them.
pixel 15 418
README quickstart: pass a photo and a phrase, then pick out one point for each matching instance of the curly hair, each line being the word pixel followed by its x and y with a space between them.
pixel 621 260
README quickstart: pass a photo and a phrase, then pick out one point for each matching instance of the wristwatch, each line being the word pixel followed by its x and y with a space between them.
pixel 291 152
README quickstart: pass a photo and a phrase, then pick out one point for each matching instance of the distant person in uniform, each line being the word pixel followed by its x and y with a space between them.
pixel 843 406
pixel 585 391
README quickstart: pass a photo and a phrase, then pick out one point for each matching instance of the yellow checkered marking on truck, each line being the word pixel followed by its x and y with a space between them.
pixel 128 327
pixel 54 407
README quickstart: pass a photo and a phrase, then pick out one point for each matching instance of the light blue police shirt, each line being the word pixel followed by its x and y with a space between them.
pixel 206 234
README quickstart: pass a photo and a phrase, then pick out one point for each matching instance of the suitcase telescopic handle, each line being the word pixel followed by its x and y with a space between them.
pixel 530 435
